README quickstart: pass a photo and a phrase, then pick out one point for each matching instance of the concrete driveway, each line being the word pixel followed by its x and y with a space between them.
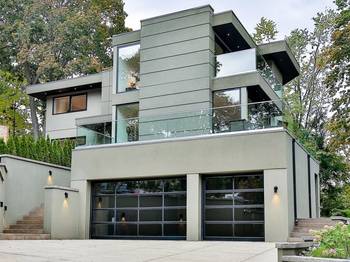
pixel 136 250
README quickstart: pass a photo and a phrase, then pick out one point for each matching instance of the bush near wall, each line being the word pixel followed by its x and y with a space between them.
pixel 42 149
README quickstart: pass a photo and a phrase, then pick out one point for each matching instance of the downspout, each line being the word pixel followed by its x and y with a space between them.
pixel 309 184
pixel 294 184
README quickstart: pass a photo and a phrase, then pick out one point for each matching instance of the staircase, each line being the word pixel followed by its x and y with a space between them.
pixel 29 228
pixel 301 232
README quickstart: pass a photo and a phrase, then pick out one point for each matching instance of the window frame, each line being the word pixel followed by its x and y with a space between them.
pixel 117 64
pixel 70 103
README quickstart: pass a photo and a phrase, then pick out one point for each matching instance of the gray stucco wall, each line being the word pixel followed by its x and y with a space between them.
pixel 176 67
pixel 302 182
pixel 25 182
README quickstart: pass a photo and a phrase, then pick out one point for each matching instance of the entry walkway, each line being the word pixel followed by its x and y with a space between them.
pixel 136 250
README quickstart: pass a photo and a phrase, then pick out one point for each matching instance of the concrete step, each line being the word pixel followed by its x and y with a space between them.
pixel 29 217
pixel 306 229
pixel 30 221
pixel 295 239
pixel 300 234
pixel 8 236
pixel 27 226
pixel 24 231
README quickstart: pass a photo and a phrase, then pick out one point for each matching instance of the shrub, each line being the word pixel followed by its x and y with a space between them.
pixel 334 242
pixel 341 212
pixel 43 149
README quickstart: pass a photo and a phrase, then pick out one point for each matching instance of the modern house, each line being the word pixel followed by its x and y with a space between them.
pixel 184 137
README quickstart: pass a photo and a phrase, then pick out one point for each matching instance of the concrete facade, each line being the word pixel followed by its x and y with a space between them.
pixel 22 188
pixel 178 76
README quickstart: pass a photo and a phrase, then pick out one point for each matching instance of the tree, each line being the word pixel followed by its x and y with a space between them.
pixel 46 40
pixel 12 104
pixel 265 31
pixel 338 81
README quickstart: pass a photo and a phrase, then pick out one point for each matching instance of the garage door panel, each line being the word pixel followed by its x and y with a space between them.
pixel 234 207
pixel 153 208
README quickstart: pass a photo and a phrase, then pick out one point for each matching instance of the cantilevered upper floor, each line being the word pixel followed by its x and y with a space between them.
pixel 187 73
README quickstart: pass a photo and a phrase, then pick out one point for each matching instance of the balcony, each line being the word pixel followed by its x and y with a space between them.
pixel 241 117
pixel 245 61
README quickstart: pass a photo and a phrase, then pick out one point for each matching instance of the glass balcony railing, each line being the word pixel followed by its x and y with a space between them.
pixel 244 61
pixel 223 119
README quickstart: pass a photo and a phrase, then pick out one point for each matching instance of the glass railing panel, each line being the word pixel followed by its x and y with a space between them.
pixel 92 137
pixel 267 73
pixel 236 62
pixel 234 118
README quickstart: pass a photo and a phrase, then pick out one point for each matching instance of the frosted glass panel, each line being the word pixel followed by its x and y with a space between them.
pixel 235 62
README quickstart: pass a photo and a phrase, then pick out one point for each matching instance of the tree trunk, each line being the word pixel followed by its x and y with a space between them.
pixel 34 118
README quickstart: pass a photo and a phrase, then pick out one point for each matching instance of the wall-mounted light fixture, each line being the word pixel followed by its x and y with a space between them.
pixel 50 173
pixel 65 195
pixel 5 208
pixel 1 204
pixel 100 199
pixel 275 189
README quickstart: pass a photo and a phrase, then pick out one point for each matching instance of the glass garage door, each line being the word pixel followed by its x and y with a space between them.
pixel 154 209
pixel 234 207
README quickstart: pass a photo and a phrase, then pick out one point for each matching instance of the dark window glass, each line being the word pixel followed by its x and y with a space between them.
pixel 249 230
pixel 150 229
pixel 219 183
pixel 150 186
pixel 61 104
pixel 151 215
pixel 218 199
pixel 175 200
pixel 127 187
pixel 102 230
pixel 175 215
pixel 249 198
pixel 104 188
pixel 178 184
pixel 249 214
pixel 249 182
pixel 69 103
pixel 126 229
pixel 218 230
pixel 126 201
pixel 175 229
pixel 103 215
pixel 126 215
pixel 151 201
pixel 104 202
pixel 78 103
pixel 218 214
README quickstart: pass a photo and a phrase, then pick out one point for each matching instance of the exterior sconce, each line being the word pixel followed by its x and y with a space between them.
pixel 99 199
pixel 1 204
pixel 275 189
pixel 50 173
pixel 5 208
pixel 65 195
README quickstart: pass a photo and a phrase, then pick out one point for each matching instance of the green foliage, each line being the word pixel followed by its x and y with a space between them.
pixel 265 31
pixel 341 212
pixel 334 242
pixel 42 149
pixel 13 102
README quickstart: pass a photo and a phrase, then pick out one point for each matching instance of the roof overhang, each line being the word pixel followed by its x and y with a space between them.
pixel 280 53
pixel 41 91
pixel 230 30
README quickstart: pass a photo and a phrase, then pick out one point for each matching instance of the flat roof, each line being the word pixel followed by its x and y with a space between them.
pixel 65 85
pixel 281 54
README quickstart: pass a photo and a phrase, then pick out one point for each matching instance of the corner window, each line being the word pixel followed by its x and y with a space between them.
pixel 127 124
pixel 72 103
pixel 128 73
pixel 227 110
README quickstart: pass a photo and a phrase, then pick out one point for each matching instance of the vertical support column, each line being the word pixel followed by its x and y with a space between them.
pixel 276 205
pixel 84 188
pixel 244 103
pixel 193 209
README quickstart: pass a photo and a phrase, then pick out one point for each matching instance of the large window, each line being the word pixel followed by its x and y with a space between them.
pixel 234 207
pixel 70 103
pixel 227 110
pixel 127 124
pixel 128 68
pixel 139 209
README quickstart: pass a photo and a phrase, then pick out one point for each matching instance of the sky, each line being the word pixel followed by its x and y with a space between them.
pixel 288 14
